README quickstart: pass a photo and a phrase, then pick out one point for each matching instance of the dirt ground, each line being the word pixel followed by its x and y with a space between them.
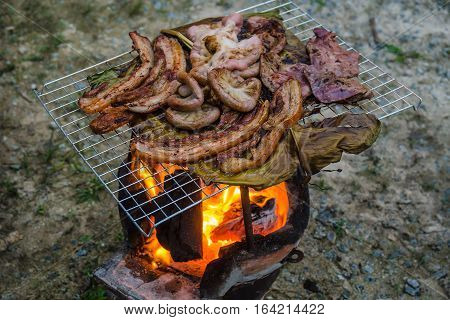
pixel 379 229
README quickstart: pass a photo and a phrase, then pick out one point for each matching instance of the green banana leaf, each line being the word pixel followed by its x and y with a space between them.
pixel 320 144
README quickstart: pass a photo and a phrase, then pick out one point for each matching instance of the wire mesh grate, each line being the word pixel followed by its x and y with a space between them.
pixel 104 154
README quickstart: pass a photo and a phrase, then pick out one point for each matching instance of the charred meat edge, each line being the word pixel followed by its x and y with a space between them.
pixel 193 101
pixel 192 151
pixel 106 97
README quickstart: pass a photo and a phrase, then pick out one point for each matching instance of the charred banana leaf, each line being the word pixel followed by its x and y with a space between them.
pixel 321 144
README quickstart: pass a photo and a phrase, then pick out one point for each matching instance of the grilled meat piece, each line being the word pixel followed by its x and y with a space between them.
pixel 193 120
pixel 269 30
pixel 217 46
pixel 150 103
pixel 100 99
pixel 154 95
pixel 193 101
pixel 111 119
pixel 333 72
pixel 329 57
pixel 259 154
pixel 285 110
pixel 274 72
pixel 235 92
pixel 327 88
pixel 191 148
pixel 250 72
pixel 286 107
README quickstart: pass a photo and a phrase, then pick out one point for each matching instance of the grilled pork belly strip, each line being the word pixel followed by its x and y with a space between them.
pixel 154 95
pixel 90 103
pixel 286 109
pixel 191 151
pixel 111 119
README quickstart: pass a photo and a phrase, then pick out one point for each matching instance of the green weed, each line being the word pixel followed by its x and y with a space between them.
pixel 89 192
pixel 400 55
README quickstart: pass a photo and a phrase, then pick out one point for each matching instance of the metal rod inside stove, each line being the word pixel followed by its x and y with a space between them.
pixel 246 211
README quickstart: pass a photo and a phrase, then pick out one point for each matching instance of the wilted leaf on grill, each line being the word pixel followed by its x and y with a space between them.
pixel 112 75
pixel 321 144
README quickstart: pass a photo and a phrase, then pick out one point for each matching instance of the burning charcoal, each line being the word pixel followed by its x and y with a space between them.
pixel 182 235
pixel 264 219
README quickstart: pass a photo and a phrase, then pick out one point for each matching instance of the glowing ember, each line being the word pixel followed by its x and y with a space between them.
pixel 215 209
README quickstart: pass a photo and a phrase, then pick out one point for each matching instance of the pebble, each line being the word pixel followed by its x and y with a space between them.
pixel 331 255
pixel 440 274
pixel 345 294
pixel 319 233
pixel 325 217
pixel 367 269
pixel 331 236
pixel 342 248
pixel 82 252
pixel 412 287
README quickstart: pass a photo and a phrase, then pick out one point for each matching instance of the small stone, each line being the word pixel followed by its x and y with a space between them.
pixel 413 283
pixel 319 233
pixel 331 255
pixel 441 274
pixel 369 279
pixel 331 236
pixel 345 294
pixel 325 216
pixel 342 248
pixel 367 269
pixel 81 253
pixel 411 291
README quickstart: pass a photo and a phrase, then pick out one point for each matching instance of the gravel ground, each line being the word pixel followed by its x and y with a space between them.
pixel 379 229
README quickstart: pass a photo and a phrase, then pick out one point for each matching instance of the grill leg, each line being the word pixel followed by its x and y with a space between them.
pixel 245 201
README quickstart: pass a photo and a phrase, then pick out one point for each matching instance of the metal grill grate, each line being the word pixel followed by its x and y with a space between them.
pixel 104 153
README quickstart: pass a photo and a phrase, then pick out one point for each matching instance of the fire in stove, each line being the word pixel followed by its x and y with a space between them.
pixel 221 215
pixel 205 241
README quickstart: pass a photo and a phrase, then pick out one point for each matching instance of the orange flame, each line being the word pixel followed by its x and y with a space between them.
pixel 214 209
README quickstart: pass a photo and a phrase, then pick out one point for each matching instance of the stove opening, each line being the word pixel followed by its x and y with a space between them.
pixel 221 215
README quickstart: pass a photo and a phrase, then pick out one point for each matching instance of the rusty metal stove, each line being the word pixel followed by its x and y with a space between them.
pixel 244 270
